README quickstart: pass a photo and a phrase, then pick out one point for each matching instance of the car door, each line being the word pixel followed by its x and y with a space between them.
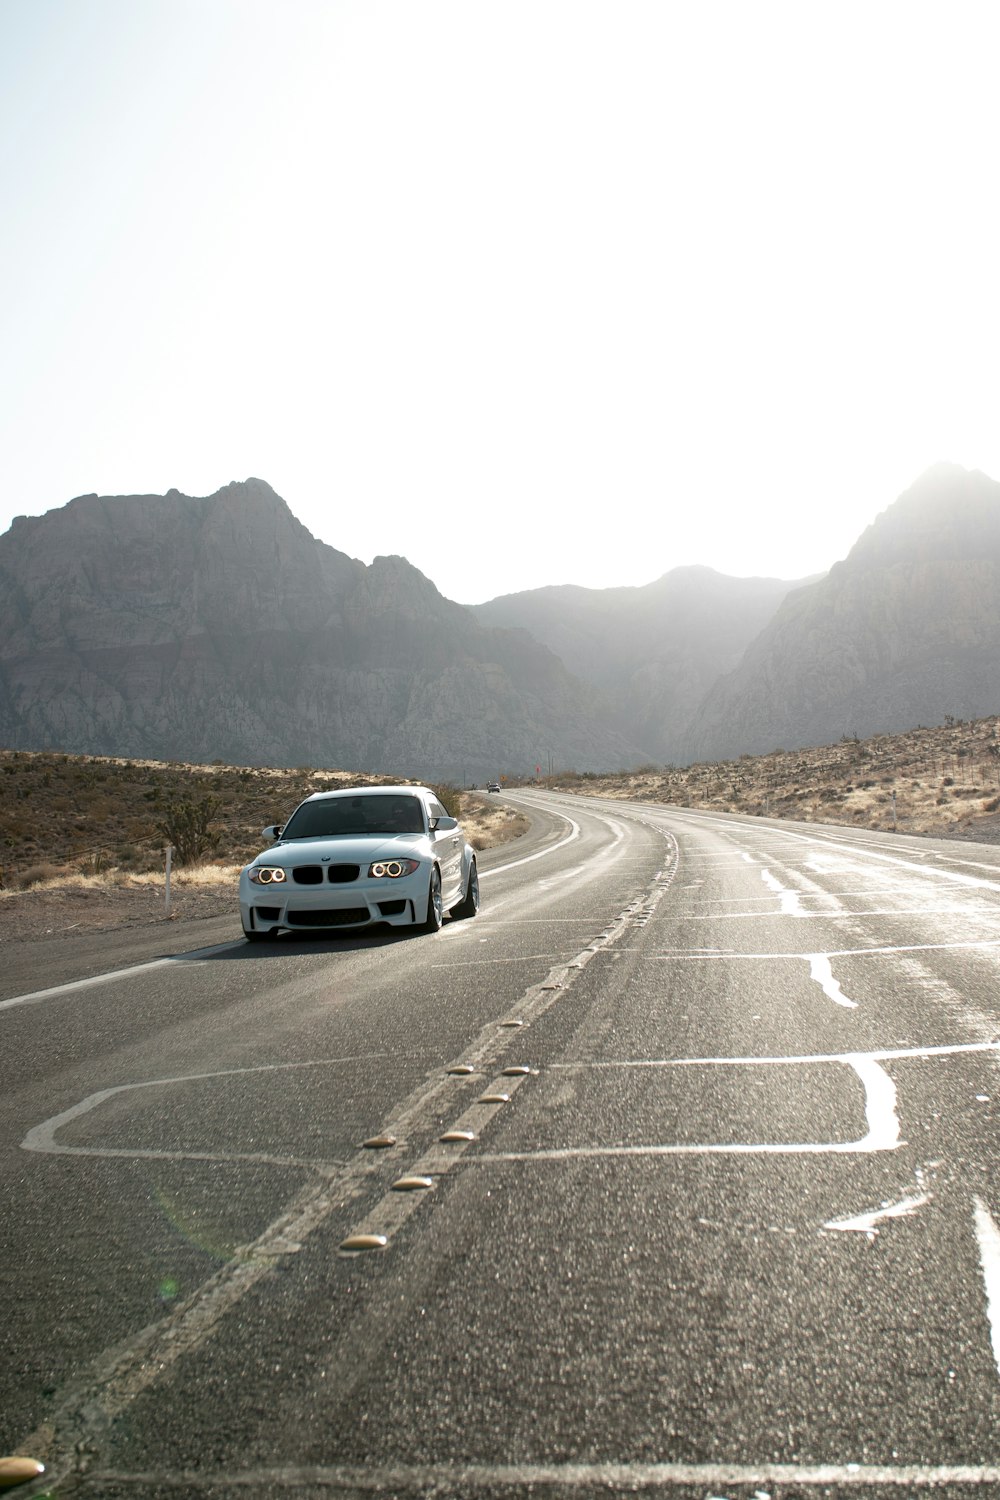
pixel 448 852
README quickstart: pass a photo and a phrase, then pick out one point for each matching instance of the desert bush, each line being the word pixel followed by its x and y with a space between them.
pixel 188 828
pixel 36 874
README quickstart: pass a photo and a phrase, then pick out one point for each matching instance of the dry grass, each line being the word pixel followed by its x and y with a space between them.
pixel 943 781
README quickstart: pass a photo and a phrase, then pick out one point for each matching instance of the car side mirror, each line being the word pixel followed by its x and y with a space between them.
pixel 443 825
pixel 272 833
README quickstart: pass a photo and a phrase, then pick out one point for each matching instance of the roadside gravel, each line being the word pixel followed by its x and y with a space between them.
pixel 69 910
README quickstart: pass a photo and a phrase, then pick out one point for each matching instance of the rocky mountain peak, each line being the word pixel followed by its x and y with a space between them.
pixel 949 513
pixel 199 628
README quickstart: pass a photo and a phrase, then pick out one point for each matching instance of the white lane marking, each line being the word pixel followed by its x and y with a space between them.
pixel 195 956
pixel 973 881
pixel 489 961
pixel 880 1115
pixel 983 943
pixel 789 899
pixel 528 859
pixel 868 1223
pixel 822 973
pixel 989 1257
pixel 623 1478
pixel 42 1138
pixel 968 913
pixel 882 1054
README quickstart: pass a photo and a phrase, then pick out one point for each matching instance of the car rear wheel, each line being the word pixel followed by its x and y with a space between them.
pixel 435 905
pixel 469 904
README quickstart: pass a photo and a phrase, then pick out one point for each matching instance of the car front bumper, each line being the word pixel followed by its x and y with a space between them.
pixel 400 903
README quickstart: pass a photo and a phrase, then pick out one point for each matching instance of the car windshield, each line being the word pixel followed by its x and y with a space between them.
pixel 355 815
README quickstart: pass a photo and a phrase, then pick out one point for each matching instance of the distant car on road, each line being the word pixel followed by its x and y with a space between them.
pixel 493 786
pixel 357 857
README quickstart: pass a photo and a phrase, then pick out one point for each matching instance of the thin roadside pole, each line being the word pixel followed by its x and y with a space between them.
pixel 168 852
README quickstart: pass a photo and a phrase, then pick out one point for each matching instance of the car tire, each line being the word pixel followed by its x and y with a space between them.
pixel 435 905
pixel 254 937
pixel 469 904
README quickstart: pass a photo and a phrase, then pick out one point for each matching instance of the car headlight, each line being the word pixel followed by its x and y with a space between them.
pixel 266 874
pixel 391 869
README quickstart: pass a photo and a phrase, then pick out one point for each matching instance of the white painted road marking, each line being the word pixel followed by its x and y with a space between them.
pixel 880 1114
pixel 989 1256
pixel 868 1223
pixel 789 899
pixel 196 956
pixel 821 972
pixel 624 1478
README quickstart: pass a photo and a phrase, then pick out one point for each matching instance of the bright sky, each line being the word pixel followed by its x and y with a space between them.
pixel 529 291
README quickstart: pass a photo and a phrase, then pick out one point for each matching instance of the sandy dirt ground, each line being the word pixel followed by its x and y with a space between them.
pixel 69 910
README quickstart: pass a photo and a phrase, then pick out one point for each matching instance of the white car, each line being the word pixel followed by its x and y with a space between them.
pixel 358 857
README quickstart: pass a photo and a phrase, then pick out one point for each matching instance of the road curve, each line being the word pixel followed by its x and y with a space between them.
pixel 730 1227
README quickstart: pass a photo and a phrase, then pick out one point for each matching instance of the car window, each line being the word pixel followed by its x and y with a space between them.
pixel 435 810
pixel 355 815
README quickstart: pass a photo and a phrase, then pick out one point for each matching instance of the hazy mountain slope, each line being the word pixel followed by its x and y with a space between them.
pixel 203 628
pixel 902 633
pixel 653 652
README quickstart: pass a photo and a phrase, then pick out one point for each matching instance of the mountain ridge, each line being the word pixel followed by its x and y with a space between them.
pixel 218 627
pixel 204 627
pixel 903 632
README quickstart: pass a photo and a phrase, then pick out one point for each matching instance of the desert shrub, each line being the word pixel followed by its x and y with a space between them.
pixel 188 827
pixel 36 874
pixel 96 862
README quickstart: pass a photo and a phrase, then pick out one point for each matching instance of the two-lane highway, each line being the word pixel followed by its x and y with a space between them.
pixel 677 1165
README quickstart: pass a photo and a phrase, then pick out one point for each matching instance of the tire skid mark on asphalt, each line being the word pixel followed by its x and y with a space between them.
pixel 86 1406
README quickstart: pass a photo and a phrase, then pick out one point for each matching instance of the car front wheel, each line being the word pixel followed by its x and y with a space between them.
pixel 435 905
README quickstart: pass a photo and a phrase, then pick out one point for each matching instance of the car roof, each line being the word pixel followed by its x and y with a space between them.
pixel 360 791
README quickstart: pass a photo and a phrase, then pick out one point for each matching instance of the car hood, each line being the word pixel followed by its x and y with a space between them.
pixel 351 849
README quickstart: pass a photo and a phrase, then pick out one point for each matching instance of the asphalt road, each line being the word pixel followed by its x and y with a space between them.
pixel 732 1228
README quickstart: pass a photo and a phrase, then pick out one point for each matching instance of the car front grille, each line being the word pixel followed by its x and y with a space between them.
pixel 334 917
pixel 336 874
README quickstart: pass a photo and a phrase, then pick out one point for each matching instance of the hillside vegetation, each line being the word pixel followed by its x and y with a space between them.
pixel 88 816
pixel 97 818
pixel 943 781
